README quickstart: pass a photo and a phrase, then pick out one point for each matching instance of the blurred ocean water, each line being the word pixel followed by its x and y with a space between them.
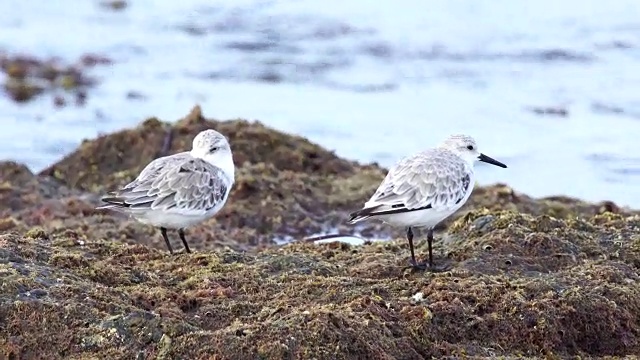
pixel 550 88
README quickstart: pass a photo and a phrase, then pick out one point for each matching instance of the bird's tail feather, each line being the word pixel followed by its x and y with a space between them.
pixel 112 203
pixel 356 219
pixel 361 214
pixel 108 206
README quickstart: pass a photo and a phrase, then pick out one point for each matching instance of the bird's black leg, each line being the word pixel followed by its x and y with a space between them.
pixel 184 241
pixel 166 239
pixel 432 267
pixel 430 241
pixel 413 261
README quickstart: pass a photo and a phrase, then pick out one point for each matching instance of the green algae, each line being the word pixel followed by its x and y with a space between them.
pixel 332 301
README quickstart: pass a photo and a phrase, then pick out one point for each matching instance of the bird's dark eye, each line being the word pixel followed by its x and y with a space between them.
pixel 215 148
pixel 470 147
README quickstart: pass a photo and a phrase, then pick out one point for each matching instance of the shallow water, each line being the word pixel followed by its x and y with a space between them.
pixel 374 81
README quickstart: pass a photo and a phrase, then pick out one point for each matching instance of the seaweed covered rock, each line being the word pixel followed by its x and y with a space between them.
pixel 518 285
pixel 115 159
pixel 503 197
pixel 26 199
pixel 286 187
pixel 26 77
pixel 552 277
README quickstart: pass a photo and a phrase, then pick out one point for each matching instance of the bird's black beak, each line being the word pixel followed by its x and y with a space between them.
pixel 488 160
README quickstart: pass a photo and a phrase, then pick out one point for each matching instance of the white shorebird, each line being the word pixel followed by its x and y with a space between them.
pixel 181 190
pixel 423 189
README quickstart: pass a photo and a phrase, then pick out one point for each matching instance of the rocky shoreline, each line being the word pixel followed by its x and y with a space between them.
pixel 551 277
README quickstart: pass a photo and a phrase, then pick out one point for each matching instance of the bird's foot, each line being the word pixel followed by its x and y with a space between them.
pixel 423 266
pixel 180 252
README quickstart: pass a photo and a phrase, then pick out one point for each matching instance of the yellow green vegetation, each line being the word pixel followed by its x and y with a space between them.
pixel 518 285
pixel 538 278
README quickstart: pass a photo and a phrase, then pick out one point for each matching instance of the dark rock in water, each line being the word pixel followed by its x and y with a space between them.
pixel 553 277
pixel 27 77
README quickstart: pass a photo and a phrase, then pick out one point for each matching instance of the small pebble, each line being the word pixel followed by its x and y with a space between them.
pixel 483 223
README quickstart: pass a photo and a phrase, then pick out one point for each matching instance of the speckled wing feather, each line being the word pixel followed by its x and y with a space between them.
pixel 181 183
pixel 433 179
pixel 155 167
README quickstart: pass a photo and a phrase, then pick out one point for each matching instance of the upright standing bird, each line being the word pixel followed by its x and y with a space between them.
pixel 180 190
pixel 425 188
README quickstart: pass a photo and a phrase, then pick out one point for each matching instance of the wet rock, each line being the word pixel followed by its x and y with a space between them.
pixel 28 77
pixel 483 224
pixel 558 111
pixel 611 109
pixel 114 5
pixel 22 190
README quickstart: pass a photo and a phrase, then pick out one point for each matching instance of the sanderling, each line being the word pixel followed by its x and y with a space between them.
pixel 423 189
pixel 181 190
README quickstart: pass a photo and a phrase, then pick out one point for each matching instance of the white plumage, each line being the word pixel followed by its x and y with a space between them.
pixel 423 189
pixel 181 190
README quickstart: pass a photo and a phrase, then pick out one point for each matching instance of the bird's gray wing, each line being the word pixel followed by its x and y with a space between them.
pixel 188 185
pixel 437 180
pixel 155 167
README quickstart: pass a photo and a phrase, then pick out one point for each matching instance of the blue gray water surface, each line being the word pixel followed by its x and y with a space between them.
pixel 372 80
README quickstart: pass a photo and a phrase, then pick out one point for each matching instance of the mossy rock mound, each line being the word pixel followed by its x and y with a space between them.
pixel 503 197
pixel 20 188
pixel 285 187
pixel 115 159
pixel 517 285
pixel 551 277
